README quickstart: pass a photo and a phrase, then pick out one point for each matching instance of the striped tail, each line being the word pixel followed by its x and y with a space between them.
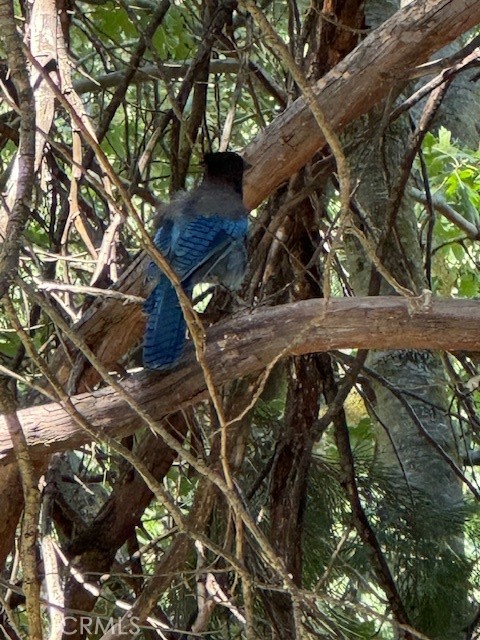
pixel 165 332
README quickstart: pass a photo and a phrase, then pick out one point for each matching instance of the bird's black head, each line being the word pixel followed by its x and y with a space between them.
pixel 225 165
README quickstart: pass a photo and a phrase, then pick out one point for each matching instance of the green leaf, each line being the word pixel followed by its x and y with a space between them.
pixel 469 285
pixel 9 344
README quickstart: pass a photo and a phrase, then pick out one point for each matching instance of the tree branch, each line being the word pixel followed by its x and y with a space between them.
pixel 247 344
pixel 383 62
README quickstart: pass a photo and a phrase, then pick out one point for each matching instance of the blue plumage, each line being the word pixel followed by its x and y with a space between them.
pixel 202 235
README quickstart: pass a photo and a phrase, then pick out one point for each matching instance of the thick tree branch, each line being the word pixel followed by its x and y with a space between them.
pixel 249 343
pixel 381 63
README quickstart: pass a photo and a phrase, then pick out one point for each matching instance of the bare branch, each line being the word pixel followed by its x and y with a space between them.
pixel 248 344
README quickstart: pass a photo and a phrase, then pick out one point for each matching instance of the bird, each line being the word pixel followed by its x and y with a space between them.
pixel 203 237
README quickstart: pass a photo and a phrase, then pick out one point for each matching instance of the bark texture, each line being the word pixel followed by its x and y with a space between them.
pixel 248 344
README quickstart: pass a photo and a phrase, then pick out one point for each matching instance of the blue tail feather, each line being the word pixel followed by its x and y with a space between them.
pixel 165 331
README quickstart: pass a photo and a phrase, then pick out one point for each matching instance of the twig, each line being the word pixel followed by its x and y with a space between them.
pixel 90 291
pixel 442 206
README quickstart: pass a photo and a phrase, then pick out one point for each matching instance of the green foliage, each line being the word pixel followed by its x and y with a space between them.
pixel 174 40
pixel 9 344
pixel 454 174
pixel 113 21
pixel 455 171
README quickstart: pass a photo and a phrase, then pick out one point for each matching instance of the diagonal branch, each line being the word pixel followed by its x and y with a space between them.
pixel 380 64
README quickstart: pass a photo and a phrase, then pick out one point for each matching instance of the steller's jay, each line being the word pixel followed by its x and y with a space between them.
pixel 203 236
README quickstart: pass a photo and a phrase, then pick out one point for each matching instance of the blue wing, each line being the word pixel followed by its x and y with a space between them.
pixel 205 248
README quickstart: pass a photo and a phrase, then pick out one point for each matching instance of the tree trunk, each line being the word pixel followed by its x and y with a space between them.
pixel 416 439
